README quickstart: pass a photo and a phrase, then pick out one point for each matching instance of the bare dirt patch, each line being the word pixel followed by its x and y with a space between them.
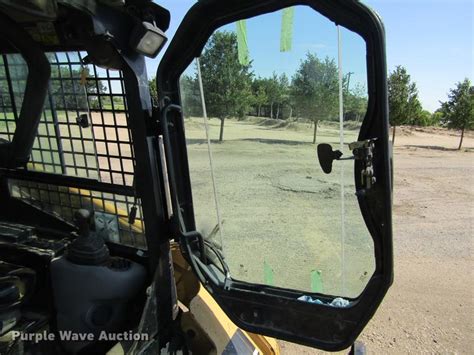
pixel 430 307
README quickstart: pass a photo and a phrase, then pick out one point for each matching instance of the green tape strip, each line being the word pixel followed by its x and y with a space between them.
pixel 242 44
pixel 286 38
pixel 268 275
pixel 316 281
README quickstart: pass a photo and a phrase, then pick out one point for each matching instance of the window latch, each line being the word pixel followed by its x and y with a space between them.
pixel 364 151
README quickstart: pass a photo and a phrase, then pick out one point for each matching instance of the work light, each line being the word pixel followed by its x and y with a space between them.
pixel 147 39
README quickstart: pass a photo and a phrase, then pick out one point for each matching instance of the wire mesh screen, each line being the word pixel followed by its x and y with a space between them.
pixel 13 73
pixel 83 131
pixel 110 210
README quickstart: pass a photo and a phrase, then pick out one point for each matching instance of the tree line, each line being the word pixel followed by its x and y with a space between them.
pixel 311 94
pixel 232 90
pixel 406 109
pixel 66 90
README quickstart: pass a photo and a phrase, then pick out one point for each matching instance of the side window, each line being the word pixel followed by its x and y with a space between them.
pixel 13 75
pixel 259 194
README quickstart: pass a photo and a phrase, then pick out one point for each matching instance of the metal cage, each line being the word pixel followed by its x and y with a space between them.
pixel 83 154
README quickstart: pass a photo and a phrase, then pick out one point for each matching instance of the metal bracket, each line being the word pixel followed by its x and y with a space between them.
pixel 364 150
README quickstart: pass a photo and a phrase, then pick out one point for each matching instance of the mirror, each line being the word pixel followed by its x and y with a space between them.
pixel 260 196
pixel 326 156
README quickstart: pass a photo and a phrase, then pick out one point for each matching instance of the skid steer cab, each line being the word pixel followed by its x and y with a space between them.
pixel 241 195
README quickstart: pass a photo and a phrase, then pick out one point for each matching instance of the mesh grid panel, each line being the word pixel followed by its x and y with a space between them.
pixel 101 151
pixel 63 201
pixel 13 73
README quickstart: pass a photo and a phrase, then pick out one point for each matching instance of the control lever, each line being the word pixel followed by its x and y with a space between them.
pixel 82 220
pixel 88 248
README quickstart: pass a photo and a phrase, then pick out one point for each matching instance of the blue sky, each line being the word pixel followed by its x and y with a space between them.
pixel 433 39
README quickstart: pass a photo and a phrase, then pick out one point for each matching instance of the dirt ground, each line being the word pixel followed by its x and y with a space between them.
pixel 430 307
pixel 276 202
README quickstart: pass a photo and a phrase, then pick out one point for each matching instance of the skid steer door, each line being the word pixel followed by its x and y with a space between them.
pixel 291 238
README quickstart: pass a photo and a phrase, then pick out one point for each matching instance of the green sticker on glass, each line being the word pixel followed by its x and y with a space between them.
pixel 316 281
pixel 286 38
pixel 268 274
pixel 242 44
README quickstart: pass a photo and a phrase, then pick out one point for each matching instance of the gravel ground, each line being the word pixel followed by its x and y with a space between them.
pixel 430 307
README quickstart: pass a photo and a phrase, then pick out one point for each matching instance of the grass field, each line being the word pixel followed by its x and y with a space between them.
pixel 279 210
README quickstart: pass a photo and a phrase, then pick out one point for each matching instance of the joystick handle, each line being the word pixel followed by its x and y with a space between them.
pixel 88 248
pixel 82 220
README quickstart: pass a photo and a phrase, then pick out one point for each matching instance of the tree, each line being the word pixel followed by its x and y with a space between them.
pixel 355 101
pixel 67 90
pixel 284 95
pixel 18 72
pixel 260 97
pixel 458 111
pixel 403 102
pixel 315 89
pixel 272 88
pixel 190 96
pixel 437 117
pixel 426 119
pixel 226 82
pixel 153 91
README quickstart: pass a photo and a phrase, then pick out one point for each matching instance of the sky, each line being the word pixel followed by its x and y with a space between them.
pixel 433 39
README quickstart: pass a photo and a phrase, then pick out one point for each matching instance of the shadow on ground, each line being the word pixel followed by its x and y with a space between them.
pixel 191 141
pixel 255 140
pixel 437 147
pixel 275 141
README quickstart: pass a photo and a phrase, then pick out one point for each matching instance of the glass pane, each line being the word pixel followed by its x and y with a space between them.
pixel 259 192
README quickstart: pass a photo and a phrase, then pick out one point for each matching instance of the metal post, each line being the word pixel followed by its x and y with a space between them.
pixel 341 142
pixel 57 131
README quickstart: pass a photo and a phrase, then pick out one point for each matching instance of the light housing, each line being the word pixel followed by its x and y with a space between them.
pixel 147 39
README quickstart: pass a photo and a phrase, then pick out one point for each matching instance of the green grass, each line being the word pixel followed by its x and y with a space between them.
pixel 278 207
pixel 7 124
pixel 117 106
